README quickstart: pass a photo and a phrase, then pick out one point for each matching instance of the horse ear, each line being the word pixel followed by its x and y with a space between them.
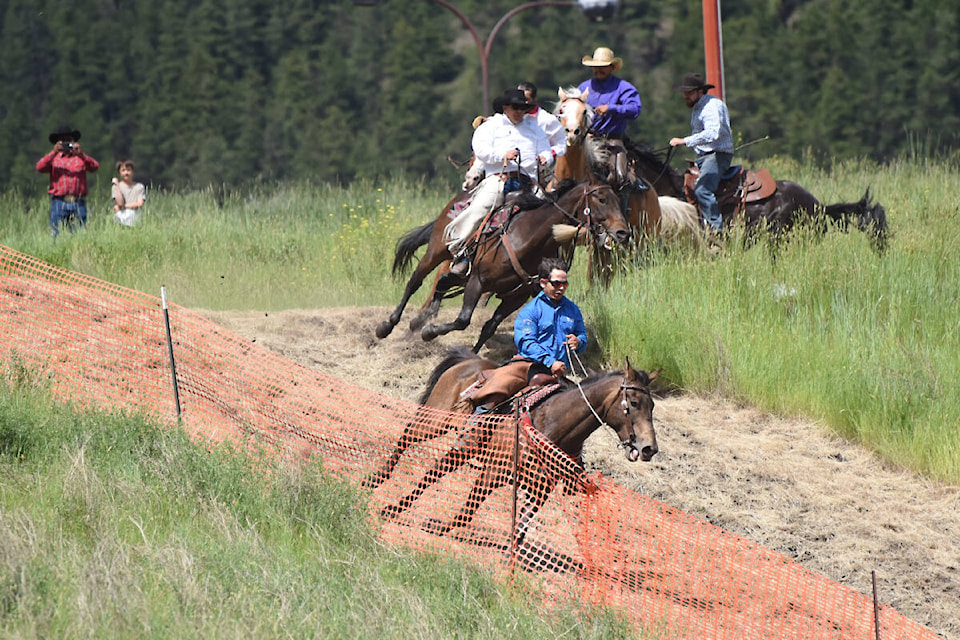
pixel 653 375
pixel 583 96
pixel 626 365
pixel 561 93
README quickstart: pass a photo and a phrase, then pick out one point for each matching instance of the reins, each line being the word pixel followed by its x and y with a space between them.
pixel 624 387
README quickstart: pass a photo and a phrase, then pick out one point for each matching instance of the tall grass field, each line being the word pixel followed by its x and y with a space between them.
pixel 825 327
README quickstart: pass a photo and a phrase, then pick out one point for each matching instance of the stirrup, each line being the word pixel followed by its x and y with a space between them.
pixel 460 266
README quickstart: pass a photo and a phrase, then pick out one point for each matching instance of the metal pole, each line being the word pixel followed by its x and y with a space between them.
pixel 173 363
pixel 876 607
pixel 713 47
pixel 483 49
pixel 516 487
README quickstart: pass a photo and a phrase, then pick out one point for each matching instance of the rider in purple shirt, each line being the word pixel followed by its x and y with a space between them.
pixel 615 103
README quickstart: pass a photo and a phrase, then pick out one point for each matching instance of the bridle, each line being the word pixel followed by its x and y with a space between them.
pixel 624 406
pixel 588 190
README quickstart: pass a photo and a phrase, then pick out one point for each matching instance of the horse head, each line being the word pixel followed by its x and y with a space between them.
pixel 632 416
pixel 575 114
pixel 872 220
pixel 603 213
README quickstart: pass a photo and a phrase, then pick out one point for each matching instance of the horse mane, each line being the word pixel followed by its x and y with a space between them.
pixel 571 92
pixel 644 152
pixel 454 356
pixel 562 188
pixel 575 94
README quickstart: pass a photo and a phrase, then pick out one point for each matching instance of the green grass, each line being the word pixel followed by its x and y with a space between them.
pixel 112 527
pixel 865 344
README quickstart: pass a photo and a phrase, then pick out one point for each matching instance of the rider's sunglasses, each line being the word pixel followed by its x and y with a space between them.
pixel 558 283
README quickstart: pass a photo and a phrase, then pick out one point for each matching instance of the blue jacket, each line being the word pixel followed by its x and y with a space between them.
pixel 542 327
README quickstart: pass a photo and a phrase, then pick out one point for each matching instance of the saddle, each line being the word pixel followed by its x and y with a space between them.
pixel 505 382
pixel 738 186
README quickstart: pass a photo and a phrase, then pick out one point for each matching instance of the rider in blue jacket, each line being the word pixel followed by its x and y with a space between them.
pixel 551 322
pixel 545 329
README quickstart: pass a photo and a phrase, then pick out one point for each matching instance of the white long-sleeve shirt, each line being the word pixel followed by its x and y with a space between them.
pixel 495 137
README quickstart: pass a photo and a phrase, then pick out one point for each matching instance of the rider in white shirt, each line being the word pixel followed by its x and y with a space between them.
pixel 546 121
pixel 511 147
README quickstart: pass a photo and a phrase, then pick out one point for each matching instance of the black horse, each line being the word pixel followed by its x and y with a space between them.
pixel 789 206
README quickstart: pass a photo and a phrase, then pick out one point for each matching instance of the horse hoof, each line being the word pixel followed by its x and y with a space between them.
pixel 417 323
pixel 429 333
pixel 384 329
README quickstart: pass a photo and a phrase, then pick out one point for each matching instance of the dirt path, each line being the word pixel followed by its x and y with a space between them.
pixel 782 483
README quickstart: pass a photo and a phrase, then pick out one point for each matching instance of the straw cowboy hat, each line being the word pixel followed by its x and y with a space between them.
pixel 64 132
pixel 603 57
pixel 693 82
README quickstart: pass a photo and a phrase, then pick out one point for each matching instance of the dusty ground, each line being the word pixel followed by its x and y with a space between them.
pixel 783 483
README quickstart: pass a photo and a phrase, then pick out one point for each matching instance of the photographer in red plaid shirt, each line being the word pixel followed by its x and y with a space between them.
pixel 67 165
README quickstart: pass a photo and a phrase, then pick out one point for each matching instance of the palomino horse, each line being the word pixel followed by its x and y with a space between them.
pixel 622 400
pixel 576 117
pixel 504 260
pixel 789 205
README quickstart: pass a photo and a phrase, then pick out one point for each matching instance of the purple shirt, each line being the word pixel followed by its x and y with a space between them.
pixel 622 100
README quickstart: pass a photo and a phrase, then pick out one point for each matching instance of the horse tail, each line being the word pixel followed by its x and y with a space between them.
pixel 453 357
pixel 680 219
pixel 408 245
pixel 870 217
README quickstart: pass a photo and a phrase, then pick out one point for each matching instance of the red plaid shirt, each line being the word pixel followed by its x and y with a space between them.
pixel 68 174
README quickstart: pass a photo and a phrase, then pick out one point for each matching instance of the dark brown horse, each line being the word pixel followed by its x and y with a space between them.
pixel 505 260
pixel 621 400
pixel 789 206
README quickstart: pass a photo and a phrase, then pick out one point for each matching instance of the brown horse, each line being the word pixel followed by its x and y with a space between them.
pixel 505 260
pixel 622 400
pixel 644 212
pixel 790 204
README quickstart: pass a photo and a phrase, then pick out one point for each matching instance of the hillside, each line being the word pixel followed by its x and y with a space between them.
pixel 781 482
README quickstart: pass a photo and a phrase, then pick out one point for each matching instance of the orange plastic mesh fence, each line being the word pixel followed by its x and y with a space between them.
pixel 590 540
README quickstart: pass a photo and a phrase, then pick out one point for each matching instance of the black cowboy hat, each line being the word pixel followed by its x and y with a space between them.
pixel 516 98
pixel 64 132
pixel 693 82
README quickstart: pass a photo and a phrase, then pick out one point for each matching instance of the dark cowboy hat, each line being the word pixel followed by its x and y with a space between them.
pixel 516 98
pixel 693 82
pixel 64 132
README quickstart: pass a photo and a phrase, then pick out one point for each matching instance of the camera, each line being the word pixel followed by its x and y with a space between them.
pixel 67 147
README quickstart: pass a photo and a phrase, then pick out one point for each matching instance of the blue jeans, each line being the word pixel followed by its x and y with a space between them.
pixel 62 211
pixel 711 166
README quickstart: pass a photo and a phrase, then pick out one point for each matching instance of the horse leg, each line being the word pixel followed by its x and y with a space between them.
pixel 533 500
pixel 470 443
pixel 471 296
pixel 432 304
pixel 415 433
pixel 427 263
pixel 482 488
pixel 507 306
pixel 599 266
